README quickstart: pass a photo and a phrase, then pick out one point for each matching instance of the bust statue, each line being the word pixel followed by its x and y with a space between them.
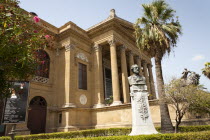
pixel 137 83
pixel 141 116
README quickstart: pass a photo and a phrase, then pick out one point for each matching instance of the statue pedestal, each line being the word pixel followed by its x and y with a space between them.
pixel 141 116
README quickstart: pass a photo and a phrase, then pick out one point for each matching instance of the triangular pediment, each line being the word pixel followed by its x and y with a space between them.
pixel 114 23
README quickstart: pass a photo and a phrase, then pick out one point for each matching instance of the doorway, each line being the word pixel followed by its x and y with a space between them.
pixel 37 115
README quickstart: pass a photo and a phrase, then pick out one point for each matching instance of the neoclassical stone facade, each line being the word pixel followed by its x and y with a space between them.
pixel 88 68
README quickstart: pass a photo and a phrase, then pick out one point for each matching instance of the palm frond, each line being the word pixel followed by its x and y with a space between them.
pixel 147 11
pixel 157 32
pixel 167 14
pixel 206 70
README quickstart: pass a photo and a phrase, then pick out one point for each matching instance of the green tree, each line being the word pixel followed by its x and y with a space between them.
pixel 200 102
pixel 157 33
pixel 206 70
pixel 186 98
pixel 19 42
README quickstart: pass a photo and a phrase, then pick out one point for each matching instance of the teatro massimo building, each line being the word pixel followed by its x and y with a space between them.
pixel 83 82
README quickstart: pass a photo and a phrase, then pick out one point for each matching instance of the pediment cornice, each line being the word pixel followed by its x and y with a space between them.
pixel 75 34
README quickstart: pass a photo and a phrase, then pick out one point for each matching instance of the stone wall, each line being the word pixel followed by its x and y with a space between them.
pixel 120 116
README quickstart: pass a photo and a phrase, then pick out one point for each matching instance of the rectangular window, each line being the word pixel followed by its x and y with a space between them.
pixel 60 118
pixel 82 76
pixel 108 83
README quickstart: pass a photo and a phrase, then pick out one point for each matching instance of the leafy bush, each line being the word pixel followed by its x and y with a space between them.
pixel 178 136
pixel 103 132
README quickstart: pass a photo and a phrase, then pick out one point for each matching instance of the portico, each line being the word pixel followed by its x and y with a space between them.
pixel 117 57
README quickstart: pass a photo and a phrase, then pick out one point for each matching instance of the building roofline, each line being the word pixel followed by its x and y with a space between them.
pixel 111 16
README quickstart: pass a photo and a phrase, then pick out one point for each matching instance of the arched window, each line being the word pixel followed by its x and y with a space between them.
pixel 44 64
pixel 38 101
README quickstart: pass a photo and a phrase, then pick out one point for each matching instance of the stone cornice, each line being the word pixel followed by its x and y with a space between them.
pixel 151 103
pixel 72 33
pixel 73 26
pixel 127 23
pixel 112 24
pixel 44 24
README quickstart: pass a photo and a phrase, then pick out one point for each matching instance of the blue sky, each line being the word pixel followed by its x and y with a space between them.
pixel 193 48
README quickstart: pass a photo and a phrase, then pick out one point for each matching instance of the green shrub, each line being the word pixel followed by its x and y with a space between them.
pixel 197 128
pixel 98 133
pixel 178 136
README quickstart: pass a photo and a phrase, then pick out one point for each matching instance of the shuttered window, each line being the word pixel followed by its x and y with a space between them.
pixel 82 76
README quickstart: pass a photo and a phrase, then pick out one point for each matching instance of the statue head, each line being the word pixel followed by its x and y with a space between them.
pixel 135 69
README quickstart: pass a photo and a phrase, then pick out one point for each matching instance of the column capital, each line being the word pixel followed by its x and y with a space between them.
pixel 138 57
pixel 96 48
pixel 69 47
pixel 144 62
pixel 123 47
pixel 130 52
pixel 112 42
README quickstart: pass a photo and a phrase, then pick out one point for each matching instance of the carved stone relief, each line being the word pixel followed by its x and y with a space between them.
pixel 83 99
pixel 82 57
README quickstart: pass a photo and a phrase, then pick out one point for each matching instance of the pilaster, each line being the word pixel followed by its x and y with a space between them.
pixel 99 88
pixel 69 73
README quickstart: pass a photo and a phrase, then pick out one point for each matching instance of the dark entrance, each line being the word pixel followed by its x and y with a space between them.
pixel 37 115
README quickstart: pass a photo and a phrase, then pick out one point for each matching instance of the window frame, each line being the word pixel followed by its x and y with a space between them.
pixel 42 66
pixel 82 76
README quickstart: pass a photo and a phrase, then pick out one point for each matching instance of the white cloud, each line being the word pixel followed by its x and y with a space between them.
pixel 198 57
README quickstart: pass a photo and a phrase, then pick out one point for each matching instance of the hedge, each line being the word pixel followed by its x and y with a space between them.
pixel 98 133
pixel 179 136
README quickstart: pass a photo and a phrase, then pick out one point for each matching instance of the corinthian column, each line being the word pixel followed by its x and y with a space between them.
pixel 114 70
pixel 69 74
pixel 131 61
pixel 125 86
pixel 151 81
pixel 99 88
pixel 146 76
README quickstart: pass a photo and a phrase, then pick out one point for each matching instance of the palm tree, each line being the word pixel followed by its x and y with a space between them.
pixel 157 33
pixel 206 70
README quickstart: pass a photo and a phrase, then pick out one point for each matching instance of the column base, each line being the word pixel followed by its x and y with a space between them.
pixel 99 106
pixel 67 128
pixel 69 105
pixel 115 103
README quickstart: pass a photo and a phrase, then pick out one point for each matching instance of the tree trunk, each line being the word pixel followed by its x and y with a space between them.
pixel 176 127
pixel 166 124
